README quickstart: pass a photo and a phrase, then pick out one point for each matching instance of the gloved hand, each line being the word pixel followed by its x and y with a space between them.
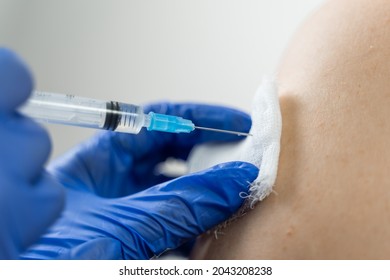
pixel 30 200
pixel 116 208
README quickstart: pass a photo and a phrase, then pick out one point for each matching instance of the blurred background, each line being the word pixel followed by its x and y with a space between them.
pixel 138 51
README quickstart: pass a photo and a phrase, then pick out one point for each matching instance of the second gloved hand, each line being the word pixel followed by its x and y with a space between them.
pixel 117 208
pixel 30 200
pixel 147 223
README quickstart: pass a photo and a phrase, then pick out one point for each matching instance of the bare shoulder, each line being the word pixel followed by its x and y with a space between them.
pixel 333 189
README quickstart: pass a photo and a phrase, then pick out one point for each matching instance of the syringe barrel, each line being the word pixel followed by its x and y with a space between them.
pixel 125 118
pixel 85 112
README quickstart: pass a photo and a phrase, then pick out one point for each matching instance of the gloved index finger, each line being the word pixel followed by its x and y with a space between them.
pixel 15 81
pixel 176 211
pixel 179 145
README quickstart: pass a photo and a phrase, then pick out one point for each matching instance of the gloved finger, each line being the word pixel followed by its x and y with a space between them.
pixel 27 210
pixel 16 81
pixel 171 213
pixel 25 146
pixel 150 147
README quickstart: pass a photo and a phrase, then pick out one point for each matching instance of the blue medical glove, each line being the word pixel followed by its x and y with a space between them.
pixel 30 200
pixel 117 208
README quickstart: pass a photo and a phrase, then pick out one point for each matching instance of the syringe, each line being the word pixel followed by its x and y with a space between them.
pixel 109 115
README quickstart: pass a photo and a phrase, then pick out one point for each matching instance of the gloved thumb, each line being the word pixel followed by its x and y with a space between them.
pixel 165 216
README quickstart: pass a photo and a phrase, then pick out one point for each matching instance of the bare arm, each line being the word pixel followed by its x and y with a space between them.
pixel 333 185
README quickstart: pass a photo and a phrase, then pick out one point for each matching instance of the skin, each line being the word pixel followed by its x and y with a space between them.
pixel 333 197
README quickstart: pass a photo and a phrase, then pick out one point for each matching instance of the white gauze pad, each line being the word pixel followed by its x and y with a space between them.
pixel 262 149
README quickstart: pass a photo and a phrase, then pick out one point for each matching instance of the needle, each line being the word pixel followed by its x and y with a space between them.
pixel 224 131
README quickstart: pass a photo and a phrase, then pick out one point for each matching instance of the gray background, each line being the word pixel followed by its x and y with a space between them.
pixel 213 51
